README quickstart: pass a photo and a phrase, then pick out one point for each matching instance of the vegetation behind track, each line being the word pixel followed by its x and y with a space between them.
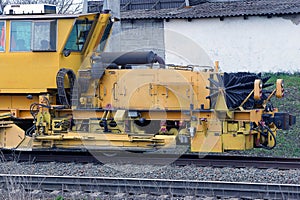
pixel 288 141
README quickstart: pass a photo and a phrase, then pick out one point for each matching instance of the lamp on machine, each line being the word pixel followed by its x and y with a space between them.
pixel 279 88
pixel 278 91
pixel 258 89
pixel 66 52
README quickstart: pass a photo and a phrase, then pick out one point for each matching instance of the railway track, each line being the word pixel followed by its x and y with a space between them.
pixel 240 161
pixel 156 159
pixel 151 186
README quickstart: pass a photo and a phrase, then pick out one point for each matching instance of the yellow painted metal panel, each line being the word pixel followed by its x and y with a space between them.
pixel 211 142
pixel 245 115
pixel 256 115
pixel 232 127
pixel 64 28
pixel 16 102
pixel 11 136
pixel 92 140
pixel 153 89
pixel 21 102
pixel 134 89
pixel 22 90
pixel 5 102
pixel 237 141
pixel 215 125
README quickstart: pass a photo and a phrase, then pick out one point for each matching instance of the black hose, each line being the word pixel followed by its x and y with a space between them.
pixel 273 136
pixel 160 61
pixel 127 58
pixel 34 111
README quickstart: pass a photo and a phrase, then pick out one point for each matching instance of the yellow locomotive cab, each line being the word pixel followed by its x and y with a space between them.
pixel 34 47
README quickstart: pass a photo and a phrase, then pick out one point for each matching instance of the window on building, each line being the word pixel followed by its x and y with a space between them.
pixel 33 36
pixel 78 35
pixel 2 36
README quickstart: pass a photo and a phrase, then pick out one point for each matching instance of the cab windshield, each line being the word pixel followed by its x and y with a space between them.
pixel 78 36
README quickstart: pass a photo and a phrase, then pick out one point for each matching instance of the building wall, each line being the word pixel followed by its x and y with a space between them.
pixel 142 35
pixel 255 44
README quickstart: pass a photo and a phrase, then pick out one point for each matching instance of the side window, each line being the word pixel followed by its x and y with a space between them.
pixel 78 35
pixel 44 36
pixel 2 36
pixel 20 39
pixel 33 36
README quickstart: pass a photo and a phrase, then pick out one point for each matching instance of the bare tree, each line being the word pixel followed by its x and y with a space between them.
pixel 63 6
pixel 2 4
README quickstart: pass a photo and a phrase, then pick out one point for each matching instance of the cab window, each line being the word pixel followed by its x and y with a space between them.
pixel 2 36
pixel 44 36
pixel 78 35
pixel 33 36
pixel 20 39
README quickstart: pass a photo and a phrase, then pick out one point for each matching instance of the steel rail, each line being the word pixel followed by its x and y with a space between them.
pixel 152 186
pixel 157 159
pixel 239 161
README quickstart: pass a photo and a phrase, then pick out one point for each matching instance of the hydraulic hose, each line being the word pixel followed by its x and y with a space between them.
pixel 273 136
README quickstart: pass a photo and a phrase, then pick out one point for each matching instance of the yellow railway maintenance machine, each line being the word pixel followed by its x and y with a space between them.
pixel 58 89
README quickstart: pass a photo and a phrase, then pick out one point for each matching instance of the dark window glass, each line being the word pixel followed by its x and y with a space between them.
pixel 2 36
pixel 78 35
pixel 50 9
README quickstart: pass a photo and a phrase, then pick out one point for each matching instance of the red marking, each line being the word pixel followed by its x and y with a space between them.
pixel 2 39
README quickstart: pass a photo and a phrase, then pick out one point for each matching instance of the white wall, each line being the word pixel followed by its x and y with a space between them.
pixel 258 44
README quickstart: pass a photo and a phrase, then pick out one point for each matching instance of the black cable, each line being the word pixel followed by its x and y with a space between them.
pixel 273 136
pixel 34 111
pixel 48 102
